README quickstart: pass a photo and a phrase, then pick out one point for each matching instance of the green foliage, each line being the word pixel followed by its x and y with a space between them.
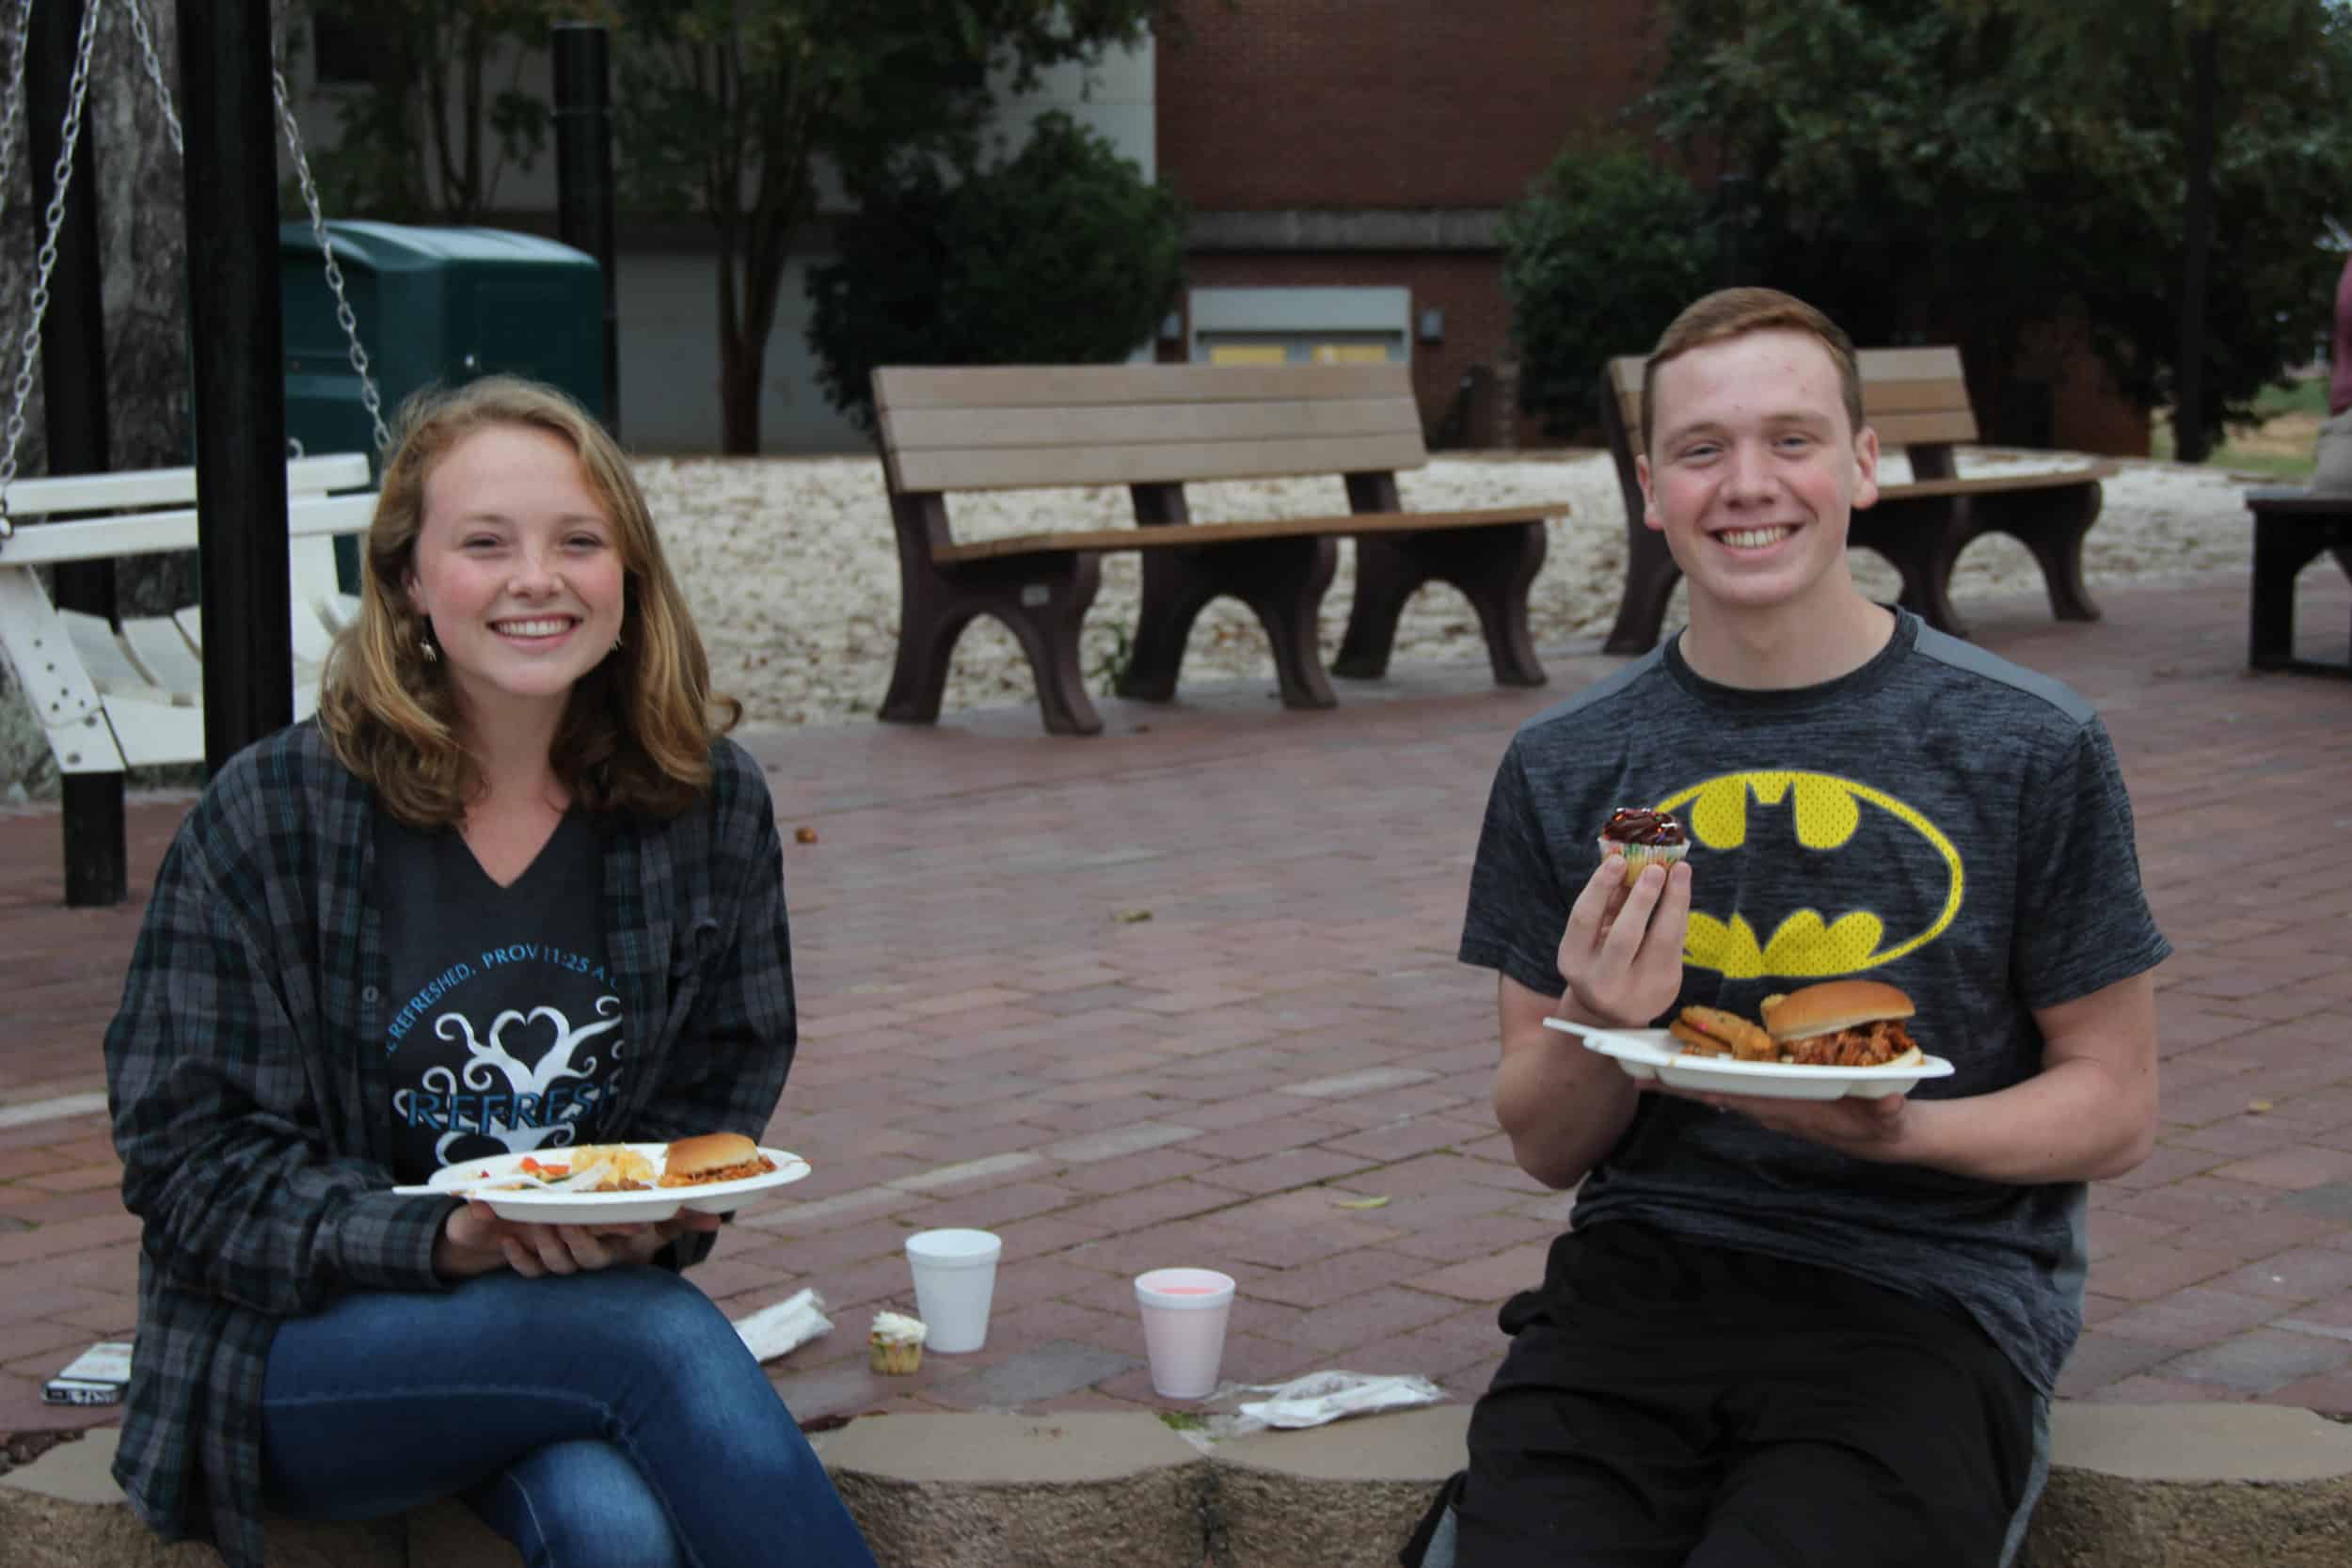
pixel 724 106
pixel 1961 171
pixel 1110 665
pixel 426 138
pixel 1607 245
pixel 1064 254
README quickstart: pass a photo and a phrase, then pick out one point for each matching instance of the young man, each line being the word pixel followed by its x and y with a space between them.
pixel 1788 1331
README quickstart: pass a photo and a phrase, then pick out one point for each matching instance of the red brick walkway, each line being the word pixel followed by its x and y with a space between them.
pixel 1185 993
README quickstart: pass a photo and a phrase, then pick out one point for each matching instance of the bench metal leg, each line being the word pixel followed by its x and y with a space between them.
pixel 1282 580
pixel 2282 550
pixel 1651 575
pixel 1043 599
pixel 1921 538
pixel 1494 567
pixel 2050 523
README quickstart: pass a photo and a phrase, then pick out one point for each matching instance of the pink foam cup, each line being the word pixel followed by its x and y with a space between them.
pixel 1185 1311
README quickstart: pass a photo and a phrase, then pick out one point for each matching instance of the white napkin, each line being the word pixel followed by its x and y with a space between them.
pixel 777 1330
pixel 1320 1397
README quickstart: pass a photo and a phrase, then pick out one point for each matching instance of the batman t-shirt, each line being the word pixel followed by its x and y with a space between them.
pixel 506 1036
pixel 1940 819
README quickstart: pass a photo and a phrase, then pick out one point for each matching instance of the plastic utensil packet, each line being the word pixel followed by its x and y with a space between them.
pixel 1317 1397
pixel 779 1329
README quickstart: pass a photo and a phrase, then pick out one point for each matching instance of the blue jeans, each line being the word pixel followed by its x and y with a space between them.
pixel 601 1420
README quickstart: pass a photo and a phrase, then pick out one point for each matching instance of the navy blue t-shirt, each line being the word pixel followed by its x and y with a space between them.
pixel 507 1032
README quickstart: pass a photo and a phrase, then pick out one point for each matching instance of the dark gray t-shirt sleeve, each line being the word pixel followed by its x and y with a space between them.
pixel 2082 919
pixel 1516 897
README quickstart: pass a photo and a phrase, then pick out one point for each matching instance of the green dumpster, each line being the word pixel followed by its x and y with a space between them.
pixel 434 306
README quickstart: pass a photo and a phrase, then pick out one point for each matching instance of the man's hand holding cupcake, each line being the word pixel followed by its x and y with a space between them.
pixel 1622 952
pixel 1636 837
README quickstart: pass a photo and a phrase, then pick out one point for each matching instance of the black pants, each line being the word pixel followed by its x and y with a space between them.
pixel 1667 1403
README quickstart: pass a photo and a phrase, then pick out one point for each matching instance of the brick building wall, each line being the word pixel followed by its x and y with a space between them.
pixel 1406 109
pixel 1375 143
pixel 1391 103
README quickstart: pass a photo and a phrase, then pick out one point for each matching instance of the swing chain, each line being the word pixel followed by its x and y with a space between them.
pixel 54 221
pixel 343 315
pixel 155 70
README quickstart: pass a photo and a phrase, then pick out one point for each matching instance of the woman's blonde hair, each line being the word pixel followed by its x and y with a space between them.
pixel 637 732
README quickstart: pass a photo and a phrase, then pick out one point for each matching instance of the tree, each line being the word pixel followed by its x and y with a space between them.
pixel 2236 69
pixel 1064 254
pixel 725 107
pixel 427 135
pixel 1607 245
pixel 1929 171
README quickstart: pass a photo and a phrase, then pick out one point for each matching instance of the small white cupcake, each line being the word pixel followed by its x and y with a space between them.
pixel 894 1344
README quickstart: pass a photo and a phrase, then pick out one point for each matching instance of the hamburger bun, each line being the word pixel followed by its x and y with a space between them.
pixel 1843 1023
pixel 712 1157
pixel 1835 1004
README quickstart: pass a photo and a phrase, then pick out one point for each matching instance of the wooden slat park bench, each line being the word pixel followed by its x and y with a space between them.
pixel 114 697
pixel 1154 428
pixel 1917 399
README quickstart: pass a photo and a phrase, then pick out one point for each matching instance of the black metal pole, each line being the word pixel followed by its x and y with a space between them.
pixel 73 394
pixel 583 176
pixel 237 348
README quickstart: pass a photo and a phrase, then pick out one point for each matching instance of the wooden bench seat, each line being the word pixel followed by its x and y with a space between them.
pixel 112 696
pixel 1917 400
pixel 1153 429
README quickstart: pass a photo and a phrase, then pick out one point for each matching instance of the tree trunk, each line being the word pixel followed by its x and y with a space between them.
pixel 2189 375
pixel 742 352
pixel 740 372
pixel 143 242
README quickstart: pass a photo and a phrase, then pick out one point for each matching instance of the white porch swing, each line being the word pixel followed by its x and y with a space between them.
pixel 112 696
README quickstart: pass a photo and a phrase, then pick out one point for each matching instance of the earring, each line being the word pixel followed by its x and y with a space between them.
pixel 425 645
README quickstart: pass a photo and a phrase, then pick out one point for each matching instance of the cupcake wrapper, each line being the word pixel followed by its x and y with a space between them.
pixel 896 1359
pixel 1639 855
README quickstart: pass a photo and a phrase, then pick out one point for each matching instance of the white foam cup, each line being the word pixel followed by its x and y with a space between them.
pixel 1183 1328
pixel 955 1278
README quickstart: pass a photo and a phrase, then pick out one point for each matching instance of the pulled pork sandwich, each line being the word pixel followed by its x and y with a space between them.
pixel 1842 1023
pixel 713 1157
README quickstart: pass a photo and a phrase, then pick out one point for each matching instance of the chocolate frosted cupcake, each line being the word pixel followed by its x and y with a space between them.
pixel 1643 838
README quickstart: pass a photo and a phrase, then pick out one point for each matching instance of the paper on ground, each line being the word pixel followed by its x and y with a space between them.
pixel 1320 1397
pixel 774 1331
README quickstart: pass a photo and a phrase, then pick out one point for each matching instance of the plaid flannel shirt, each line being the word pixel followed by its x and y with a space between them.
pixel 257 999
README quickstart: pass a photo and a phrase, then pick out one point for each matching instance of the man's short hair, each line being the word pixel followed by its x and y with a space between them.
pixel 1736 312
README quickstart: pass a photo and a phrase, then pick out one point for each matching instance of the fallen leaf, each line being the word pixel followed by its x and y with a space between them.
pixel 2258 1105
pixel 804 835
pixel 1132 917
pixel 1381 1202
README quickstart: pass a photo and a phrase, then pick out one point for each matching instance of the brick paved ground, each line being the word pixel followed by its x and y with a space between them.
pixel 1183 993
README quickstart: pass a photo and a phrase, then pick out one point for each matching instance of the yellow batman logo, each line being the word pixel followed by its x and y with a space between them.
pixel 1828 811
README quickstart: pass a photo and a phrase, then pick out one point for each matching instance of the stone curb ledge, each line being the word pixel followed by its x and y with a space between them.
pixel 2132 1487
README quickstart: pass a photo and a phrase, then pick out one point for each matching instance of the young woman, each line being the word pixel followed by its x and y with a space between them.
pixel 513 890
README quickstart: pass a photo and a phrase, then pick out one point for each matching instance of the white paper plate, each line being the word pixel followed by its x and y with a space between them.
pixel 554 1206
pixel 1655 1053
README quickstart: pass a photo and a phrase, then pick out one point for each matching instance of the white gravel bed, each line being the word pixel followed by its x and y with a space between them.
pixel 792 571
